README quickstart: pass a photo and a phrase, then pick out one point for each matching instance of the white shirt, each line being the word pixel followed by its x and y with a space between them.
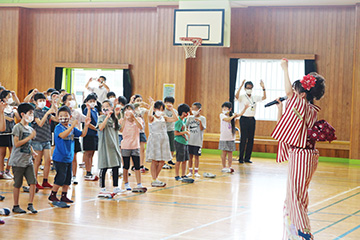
pixel 252 100
pixel 100 92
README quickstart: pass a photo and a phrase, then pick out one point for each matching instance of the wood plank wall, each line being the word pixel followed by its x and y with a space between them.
pixel 142 37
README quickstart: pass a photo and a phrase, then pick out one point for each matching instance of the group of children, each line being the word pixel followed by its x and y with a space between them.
pixel 114 128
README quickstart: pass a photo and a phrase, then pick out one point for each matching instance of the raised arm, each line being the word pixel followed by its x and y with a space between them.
pixel 103 124
pixel 263 88
pixel 238 91
pixel 87 84
pixel 28 97
pixel 16 99
pixel 151 110
pixel 2 117
pixel 41 122
pixel 66 133
pixel 288 87
pixel 86 127
pixel 18 143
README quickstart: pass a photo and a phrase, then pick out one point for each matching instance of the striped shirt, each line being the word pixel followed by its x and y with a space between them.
pixel 43 134
pixel 292 128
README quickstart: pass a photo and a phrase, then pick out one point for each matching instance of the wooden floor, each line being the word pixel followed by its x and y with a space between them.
pixel 246 205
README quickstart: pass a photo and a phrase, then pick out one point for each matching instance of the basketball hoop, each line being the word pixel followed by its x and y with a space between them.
pixel 190 44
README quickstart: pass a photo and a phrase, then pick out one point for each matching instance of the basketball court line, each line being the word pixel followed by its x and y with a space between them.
pixel 347 233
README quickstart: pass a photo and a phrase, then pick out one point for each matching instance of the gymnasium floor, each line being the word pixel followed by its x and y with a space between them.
pixel 245 205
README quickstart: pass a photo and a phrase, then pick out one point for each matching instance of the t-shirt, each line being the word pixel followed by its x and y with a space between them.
pixel 100 92
pixel 64 148
pixel 225 129
pixel 180 126
pixel 196 135
pixel 170 126
pixel 76 114
pixel 94 119
pixel 43 134
pixel 245 99
pixel 21 156
pixel 131 136
pixel 9 112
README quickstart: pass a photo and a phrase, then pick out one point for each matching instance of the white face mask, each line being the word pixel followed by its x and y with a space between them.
pixel 112 100
pixel 10 101
pixel 41 104
pixel 92 105
pixel 195 112
pixel 158 113
pixel 29 119
pixel 248 91
pixel 225 112
pixel 48 98
pixel 64 119
pixel 72 103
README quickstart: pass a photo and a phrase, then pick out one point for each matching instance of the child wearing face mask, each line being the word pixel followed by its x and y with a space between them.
pixel 64 153
pixel 109 156
pixel 227 134
pixel 196 124
pixel 6 136
pixel 76 114
pixel 42 141
pixel 111 96
pixel 158 147
pixel 21 156
pixel 90 141
pixel 120 104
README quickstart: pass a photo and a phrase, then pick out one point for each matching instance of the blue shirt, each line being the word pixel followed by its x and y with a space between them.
pixel 64 148
pixel 94 119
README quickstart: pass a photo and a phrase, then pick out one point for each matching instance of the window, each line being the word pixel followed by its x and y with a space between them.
pixel 273 76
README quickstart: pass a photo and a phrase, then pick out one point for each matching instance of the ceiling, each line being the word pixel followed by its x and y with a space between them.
pixel 147 3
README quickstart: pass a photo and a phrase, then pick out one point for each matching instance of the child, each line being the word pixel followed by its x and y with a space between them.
pixel 21 156
pixel 294 133
pixel 196 125
pixel 42 142
pixel 227 134
pixel 49 96
pixel 90 142
pixel 169 103
pixel 64 152
pixel 109 151
pixel 6 136
pixel 112 97
pixel 181 136
pixel 130 146
pixel 121 102
pixel 158 149
pixel 76 114
pixel 2 128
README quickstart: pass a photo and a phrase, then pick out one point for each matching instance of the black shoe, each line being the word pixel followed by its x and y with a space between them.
pixel 241 161
pixel 17 209
pixel 133 168
pixel 171 162
pixel 248 161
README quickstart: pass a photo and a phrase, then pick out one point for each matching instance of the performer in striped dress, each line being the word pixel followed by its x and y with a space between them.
pixel 295 146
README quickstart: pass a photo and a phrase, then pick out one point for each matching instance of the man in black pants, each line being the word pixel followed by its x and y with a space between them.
pixel 247 121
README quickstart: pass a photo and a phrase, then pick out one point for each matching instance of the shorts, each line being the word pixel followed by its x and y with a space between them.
pixel 228 146
pixel 142 137
pixel 40 146
pixel 63 173
pixel 90 143
pixel 194 150
pixel 6 140
pixel 171 135
pixel 130 152
pixel 120 139
pixel 77 145
pixel 182 152
pixel 21 172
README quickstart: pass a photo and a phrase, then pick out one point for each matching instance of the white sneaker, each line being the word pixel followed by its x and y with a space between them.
pixel 91 178
pixel 105 194
pixel 127 187
pixel 7 176
pixel 158 183
pixel 118 190
pixel 227 170
pixel 189 175
pixel 73 180
pixel 197 175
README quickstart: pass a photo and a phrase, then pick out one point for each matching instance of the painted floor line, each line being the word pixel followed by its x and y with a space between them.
pixel 337 195
pixel 347 233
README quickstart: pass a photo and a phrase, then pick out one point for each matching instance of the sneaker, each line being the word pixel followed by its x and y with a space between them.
pixel 2 198
pixel 189 175
pixel 305 235
pixel 46 185
pixel 4 211
pixel 248 161
pixel 227 170
pixel 7 176
pixel 38 186
pixel 66 200
pixel 27 189
pixel 32 209
pixel 41 167
pixel 166 166
pixel 231 170
pixel 139 189
pixel 197 175
pixel 1 175
pixel 184 177
pixel 127 187
pixel 81 165
pixel 59 204
pixel 91 177
pixel 171 163
pixel 142 170
pixel 209 175
pixel 74 181
pixel 106 194
pixel 158 183
pixel 53 199
pixel 8 173
pixel 178 178
pixel 146 169
pixel 118 190
pixel 17 209
pixel 133 168
pixel 2 221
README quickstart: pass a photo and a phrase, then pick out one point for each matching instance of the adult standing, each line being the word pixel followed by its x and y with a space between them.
pixel 247 120
pixel 101 90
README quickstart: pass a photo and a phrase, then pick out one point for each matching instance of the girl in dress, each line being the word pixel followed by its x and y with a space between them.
pixel 158 148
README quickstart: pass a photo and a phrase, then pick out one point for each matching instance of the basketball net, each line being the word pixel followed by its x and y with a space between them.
pixel 190 44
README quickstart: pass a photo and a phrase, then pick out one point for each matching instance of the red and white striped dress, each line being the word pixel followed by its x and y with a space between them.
pixel 291 132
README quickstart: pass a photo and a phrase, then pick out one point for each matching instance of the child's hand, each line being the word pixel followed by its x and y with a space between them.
pixel 151 100
pixel 132 99
pixel 109 114
pixel 171 107
pixel 75 122
pixel 2 106
pixel 88 106
pixel 87 121
pixel 243 82
pixel 187 133
pixel 34 154
pixel 32 134
pixel 35 91
pixel 117 110
pixel 198 120
pixel 284 63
